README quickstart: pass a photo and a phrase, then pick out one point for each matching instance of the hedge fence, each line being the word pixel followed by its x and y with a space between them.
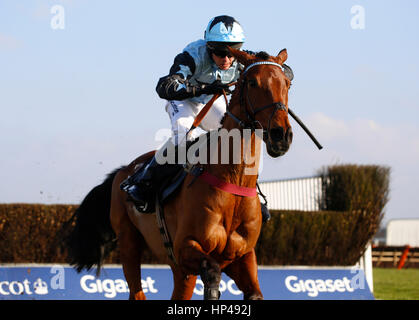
pixel 352 208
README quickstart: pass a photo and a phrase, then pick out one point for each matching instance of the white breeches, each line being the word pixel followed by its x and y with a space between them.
pixel 182 115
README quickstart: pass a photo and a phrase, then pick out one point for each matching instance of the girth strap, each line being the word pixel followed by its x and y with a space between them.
pixel 161 223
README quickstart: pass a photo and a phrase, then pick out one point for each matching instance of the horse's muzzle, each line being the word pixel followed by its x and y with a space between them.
pixel 278 141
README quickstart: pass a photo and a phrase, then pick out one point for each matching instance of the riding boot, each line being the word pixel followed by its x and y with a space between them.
pixel 139 185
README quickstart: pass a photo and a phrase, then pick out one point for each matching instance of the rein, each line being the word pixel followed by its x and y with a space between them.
pixel 277 106
pixel 208 177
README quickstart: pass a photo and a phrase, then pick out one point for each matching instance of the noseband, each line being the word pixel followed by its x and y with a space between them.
pixel 252 122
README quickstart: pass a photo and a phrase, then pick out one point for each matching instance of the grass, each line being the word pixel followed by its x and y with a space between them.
pixel 393 284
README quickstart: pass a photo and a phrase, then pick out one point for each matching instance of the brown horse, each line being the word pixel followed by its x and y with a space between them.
pixel 212 230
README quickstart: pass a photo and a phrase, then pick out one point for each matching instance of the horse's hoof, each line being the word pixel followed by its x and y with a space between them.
pixel 255 296
pixel 212 294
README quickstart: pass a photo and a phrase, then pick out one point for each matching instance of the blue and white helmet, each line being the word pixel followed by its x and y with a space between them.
pixel 222 31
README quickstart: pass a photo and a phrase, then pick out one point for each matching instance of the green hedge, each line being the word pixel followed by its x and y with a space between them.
pixel 315 238
pixel 28 234
pixel 355 187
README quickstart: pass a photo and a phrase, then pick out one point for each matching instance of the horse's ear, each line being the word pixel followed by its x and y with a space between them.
pixel 282 56
pixel 241 56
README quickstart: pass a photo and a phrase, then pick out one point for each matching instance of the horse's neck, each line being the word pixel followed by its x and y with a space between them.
pixel 243 159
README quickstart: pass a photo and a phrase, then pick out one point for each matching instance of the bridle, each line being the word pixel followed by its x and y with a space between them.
pixel 251 122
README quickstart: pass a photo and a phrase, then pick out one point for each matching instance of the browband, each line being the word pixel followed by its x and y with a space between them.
pixel 262 62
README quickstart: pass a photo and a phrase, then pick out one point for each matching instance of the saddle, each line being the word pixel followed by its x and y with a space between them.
pixel 165 182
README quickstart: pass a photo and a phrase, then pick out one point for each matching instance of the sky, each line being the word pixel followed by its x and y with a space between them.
pixel 77 87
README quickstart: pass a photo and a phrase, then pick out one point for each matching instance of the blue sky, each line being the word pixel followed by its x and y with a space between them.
pixel 78 102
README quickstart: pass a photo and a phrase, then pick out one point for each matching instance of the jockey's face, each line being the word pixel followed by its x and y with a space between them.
pixel 223 63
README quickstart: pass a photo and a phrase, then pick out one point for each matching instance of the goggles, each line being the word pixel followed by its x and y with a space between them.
pixel 222 53
pixel 220 48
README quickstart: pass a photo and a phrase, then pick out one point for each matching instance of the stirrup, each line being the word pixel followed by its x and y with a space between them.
pixel 142 206
pixel 139 198
pixel 266 216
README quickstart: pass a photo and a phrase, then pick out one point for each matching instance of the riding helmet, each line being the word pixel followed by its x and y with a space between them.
pixel 224 31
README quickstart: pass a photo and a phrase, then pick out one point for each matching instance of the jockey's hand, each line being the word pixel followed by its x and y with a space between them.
pixel 214 88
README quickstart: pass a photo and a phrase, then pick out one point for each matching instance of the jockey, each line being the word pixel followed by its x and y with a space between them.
pixel 204 68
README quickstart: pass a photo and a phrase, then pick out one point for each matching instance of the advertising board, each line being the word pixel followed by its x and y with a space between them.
pixel 58 282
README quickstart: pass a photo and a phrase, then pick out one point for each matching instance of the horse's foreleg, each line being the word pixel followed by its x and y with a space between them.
pixel 183 285
pixel 244 273
pixel 194 260
pixel 211 277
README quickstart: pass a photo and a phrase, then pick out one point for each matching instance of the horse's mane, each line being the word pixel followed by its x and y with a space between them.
pixel 262 55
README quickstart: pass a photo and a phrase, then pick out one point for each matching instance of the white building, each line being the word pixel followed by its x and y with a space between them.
pixel 293 194
pixel 403 232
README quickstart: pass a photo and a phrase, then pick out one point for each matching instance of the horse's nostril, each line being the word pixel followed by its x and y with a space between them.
pixel 289 135
pixel 277 134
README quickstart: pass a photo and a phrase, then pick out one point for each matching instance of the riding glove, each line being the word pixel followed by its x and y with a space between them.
pixel 217 87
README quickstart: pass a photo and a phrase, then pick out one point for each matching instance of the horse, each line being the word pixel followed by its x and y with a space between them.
pixel 211 230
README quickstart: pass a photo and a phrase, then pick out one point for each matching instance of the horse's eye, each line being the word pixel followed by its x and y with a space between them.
pixel 253 83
